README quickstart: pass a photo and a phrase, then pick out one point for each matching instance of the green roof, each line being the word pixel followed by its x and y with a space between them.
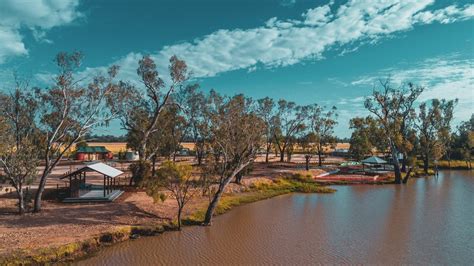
pixel 92 149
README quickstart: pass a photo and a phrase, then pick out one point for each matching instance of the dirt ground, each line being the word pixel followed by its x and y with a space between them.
pixel 61 223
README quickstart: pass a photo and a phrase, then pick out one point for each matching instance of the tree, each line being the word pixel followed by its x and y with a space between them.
pixel 178 180
pixel 433 123
pixel 289 121
pixel 236 134
pixel 366 137
pixel 446 134
pixel 463 143
pixel 68 111
pixel 394 110
pixel 322 125
pixel 265 110
pixel 308 145
pixel 140 109
pixel 194 105
pixel 18 153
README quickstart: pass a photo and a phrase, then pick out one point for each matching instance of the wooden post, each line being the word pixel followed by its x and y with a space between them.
pixel 104 185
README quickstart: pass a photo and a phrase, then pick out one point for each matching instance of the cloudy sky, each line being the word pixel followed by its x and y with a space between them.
pixel 307 51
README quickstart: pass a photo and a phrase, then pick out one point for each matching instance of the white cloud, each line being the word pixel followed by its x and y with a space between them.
pixel 318 16
pixel 36 15
pixel 287 42
pixel 446 15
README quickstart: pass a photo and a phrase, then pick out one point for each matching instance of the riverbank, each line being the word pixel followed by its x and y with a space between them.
pixel 81 230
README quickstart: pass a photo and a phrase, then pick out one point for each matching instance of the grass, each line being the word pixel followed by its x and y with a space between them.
pixel 455 164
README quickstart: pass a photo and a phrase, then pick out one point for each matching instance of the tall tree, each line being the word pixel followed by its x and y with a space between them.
pixel 463 144
pixel 194 105
pixel 394 109
pixel 433 121
pixel 289 121
pixel 322 125
pixel 446 134
pixel 18 152
pixel 68 111
pixel 140 108
pixel 236 136
pixel 266 111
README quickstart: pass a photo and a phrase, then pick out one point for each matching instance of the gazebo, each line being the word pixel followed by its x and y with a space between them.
pixel 374 160
pixel 80 191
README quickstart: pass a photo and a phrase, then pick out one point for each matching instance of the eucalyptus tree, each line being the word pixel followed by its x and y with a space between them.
pixel 322 124
pixel 194 105
pixel 236 134
pixel 266 111
pixel 165 141
pixel 394 109
pixel 139 108
pixel 18 136
pixel 433 120
pixel 446 133
pixel 463 144
pixel 289 121
pixel 68 111
pixel 367 137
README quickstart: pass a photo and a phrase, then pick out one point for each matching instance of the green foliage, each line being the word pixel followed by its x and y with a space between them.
pixel 177 179
pixel 367 136
pixel 141 170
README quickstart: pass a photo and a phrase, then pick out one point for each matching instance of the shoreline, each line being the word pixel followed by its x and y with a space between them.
pixel 82 249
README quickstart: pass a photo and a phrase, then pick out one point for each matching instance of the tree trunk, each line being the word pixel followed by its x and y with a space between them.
pixel 238 178
pixel 180 210
pixel 199 155
pixel 282 156
pixel 405 179
pixel 320 160
pixel 213 205
pixel 425 163
pixel 21 201
pixel 39 192
pixel 404 164
pixel 396 165
pixel 267 153
pixel 308 158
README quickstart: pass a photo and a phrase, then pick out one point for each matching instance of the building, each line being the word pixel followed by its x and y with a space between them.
pixel 79 191
pixel 87 153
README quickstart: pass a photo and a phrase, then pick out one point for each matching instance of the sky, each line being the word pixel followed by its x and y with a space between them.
pixel 307 51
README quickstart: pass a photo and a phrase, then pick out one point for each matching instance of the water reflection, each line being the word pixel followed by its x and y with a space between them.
pixel 430 221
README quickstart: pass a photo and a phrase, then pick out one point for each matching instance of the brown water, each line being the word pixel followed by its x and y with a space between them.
pixel 429 221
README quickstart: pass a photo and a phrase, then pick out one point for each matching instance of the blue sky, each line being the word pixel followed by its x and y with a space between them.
pixel 326 52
